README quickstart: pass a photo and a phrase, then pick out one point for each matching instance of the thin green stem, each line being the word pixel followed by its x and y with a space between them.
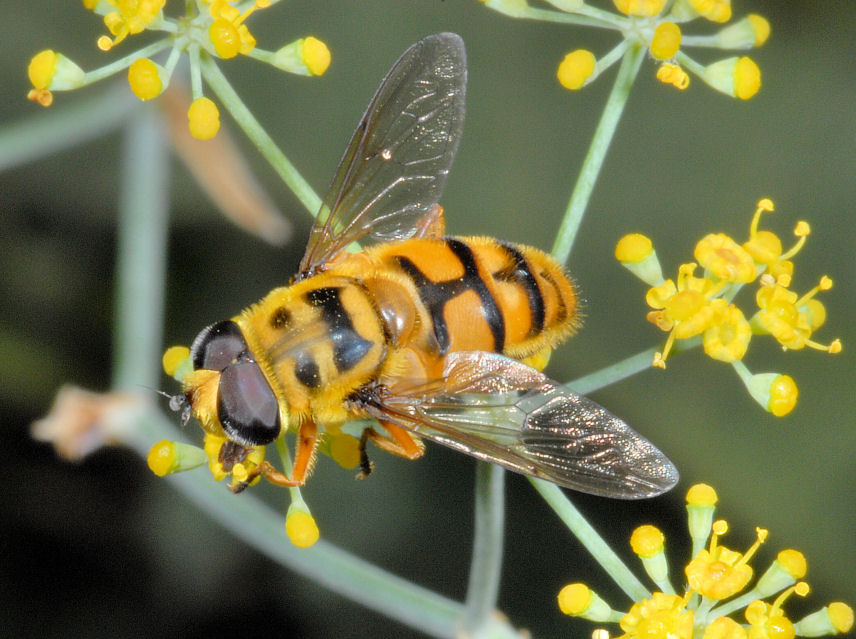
pixel 591 540
pixel 597 152
pixel 691 65
pixel 193 53
pixel 141 262
pixel 486 565
pixel 605 62
pixel 547 15
pixel 613 373
pixel 261 527
pixel 264 143
pixel 123 63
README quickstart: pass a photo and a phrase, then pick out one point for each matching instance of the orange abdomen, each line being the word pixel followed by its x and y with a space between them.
pixel 481 294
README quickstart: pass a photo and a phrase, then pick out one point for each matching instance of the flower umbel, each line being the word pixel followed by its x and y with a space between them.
pixel 713 575
pixel 656 25
pixel 702 307
pixel 215 28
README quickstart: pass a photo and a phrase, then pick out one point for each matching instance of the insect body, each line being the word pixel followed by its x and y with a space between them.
pixel 432 336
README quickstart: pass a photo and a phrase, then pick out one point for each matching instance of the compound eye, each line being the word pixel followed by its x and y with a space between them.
pixel 217 346
pixel 246 405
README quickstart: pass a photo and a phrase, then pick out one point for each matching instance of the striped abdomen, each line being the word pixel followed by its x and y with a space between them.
pixel 478 294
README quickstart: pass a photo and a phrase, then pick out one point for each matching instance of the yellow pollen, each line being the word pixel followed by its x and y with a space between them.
pixel 144 79
pixel 666 41
pixel 841 616
pixel 701 495
pixel 794 563
pixel 172 357
pixel 633 248
pixel 647 541
pixel 639 8
pixel 161 458
pixel 316 55
pixel 42 69
pixel 574 599
pixel 747 78
pixel 575 68
pixel 783 395
pixel 761 27
pixel 105 43
pixel 203 118
pixel 301 529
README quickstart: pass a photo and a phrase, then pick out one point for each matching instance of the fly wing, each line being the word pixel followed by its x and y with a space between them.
pixel 499 410
pixel 395 167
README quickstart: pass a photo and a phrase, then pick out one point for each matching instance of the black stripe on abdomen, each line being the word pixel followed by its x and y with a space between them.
pixel 435 295
pixel 522 274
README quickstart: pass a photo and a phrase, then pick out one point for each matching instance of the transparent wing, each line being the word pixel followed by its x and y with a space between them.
pixel 499 410
pixel 395 166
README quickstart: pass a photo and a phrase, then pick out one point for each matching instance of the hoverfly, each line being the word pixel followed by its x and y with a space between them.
pixel 430 336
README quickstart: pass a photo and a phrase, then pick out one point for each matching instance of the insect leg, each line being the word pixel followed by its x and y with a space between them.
pixel 399 442
pixel 366 465
pixel 304 456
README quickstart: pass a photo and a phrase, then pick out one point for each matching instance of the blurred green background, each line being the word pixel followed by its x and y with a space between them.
pixel 103 548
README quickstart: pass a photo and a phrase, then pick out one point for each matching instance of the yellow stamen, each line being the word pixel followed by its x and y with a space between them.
pixel 762 537
pixel 801 589
pixel 673 74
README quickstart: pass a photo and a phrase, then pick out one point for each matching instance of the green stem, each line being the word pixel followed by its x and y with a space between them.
pixel 486 565
pixel 688 63
pixel 614 373
pixel 611 21
pixel 141 262
pixel 591 540
pixel 262 528
pixel 264 143
pixel 597 152
pixel 123 63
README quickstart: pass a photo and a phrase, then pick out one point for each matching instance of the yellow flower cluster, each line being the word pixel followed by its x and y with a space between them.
pixel 656 25
pixel 215 28
pixel 701 307
pixel 715 573
pixel 245 466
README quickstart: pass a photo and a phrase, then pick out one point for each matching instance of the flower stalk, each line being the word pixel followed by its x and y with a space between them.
pixel 627 72
pixel 257 134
